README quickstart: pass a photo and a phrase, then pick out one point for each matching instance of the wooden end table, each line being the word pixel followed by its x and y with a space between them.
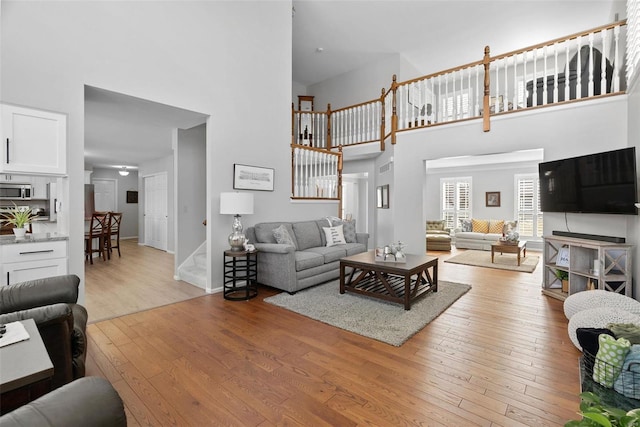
pixel 519 249
pixel 401 282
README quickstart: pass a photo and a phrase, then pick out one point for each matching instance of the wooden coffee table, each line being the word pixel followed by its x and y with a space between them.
pixel 520 248
pixel 391 281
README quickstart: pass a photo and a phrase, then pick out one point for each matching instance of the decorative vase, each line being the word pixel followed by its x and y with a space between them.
pixel 19 232
pixel 565 286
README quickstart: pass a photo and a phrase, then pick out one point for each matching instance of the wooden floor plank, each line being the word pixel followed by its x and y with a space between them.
pixel 499 356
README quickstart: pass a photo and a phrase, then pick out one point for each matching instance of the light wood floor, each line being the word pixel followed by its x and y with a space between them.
pixel 139 280
pixel 499 356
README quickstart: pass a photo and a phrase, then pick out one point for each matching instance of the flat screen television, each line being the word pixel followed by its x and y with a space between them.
pixel 604 183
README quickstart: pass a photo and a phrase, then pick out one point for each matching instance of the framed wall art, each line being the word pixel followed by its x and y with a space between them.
pixel 132 197
pixel 252 178
pixel 493 198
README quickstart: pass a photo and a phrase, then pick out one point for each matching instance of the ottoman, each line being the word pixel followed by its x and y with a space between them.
pixel 599 298
pixel 438 242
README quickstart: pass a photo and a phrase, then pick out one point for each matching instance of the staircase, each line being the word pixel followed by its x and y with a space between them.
pixel 194 269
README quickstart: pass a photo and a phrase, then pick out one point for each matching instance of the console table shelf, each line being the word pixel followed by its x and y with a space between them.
pixel 592 264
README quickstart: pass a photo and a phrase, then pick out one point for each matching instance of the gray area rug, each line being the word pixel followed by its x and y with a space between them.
pixel 501 262
pixel 370 317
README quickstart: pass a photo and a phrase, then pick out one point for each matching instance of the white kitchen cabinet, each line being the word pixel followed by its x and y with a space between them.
pixel 33 141
pixel 39 187
pixel 29 261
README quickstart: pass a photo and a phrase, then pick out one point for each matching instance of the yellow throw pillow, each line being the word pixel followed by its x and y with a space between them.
pixel 479 226
pixel 495 227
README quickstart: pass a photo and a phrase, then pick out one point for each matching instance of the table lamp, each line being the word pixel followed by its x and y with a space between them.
pixel 236 204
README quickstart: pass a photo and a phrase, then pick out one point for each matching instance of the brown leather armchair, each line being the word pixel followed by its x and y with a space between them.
pixel 52 303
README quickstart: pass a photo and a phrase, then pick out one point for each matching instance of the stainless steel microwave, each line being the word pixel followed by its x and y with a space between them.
pixel 15 191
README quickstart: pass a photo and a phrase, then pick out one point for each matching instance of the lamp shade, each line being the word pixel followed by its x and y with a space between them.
pixel 236 203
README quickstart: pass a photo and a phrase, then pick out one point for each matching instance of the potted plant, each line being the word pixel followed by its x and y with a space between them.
pixel 595 413
pixel 563 276
pixel 18 217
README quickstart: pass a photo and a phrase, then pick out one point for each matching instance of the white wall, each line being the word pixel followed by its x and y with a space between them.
pixel 129 226
pixel 214 57
pixel 492 177
pixel 561 131
pixel 356 86
pixel 368 167
pixel 191 191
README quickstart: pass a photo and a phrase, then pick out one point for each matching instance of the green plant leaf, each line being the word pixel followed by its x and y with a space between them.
pixel 598 418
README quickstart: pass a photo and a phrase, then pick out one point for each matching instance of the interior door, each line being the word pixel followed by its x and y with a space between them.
pixel 105 195
pixel 155 211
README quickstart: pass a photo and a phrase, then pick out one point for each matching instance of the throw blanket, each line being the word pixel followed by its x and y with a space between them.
pixel 628 382
pixel 626 330
pixel 609 359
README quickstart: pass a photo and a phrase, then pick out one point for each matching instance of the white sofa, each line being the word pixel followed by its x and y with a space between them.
pixel 477 240
pixel 474 240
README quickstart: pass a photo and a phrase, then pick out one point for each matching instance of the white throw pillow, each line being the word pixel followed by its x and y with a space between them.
pixel 334 235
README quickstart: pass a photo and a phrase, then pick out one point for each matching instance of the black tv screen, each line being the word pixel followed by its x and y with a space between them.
pixel 596 183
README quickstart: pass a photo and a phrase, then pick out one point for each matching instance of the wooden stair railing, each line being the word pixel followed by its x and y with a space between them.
pixel 460 93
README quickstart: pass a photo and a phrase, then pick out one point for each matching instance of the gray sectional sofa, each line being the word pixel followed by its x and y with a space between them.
pixel 306 260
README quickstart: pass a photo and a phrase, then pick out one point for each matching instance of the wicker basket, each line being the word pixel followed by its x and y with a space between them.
pixel 610 396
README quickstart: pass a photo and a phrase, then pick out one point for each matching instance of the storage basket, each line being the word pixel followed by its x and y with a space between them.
pixel 624 380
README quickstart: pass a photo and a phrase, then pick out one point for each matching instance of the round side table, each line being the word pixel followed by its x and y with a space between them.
pixel 240 275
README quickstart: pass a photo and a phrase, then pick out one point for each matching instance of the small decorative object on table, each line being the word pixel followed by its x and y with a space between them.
pixel 511 238
pixel 391 253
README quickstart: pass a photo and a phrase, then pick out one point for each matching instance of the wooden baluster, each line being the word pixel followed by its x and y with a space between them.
pixel 496 105
pixel 443 102
pixel 579 70
pixel 351 126
pixel 403 106
pixel 329 139
pixel 454 97
pixel 469 92
pixel 412 94
pixel 515 82
pixel 555 72
pixel 524 76
pixel 505 96
pixel 360 124
pixel 545 101
pixel 535 78
pixel 567 74
pixel 616 62
pixel 434 103
pixel 486 61
pixel 477 93
pixel 603 63
pixel 447 98
pixel 590 87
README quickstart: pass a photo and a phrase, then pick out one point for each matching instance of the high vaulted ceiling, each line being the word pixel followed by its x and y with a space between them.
pixel 430 35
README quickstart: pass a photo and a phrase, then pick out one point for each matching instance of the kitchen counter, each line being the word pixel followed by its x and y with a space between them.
pixel 32 238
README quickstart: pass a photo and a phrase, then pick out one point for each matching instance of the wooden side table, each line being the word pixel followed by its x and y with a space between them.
pixel 240 275
pixel 25 371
